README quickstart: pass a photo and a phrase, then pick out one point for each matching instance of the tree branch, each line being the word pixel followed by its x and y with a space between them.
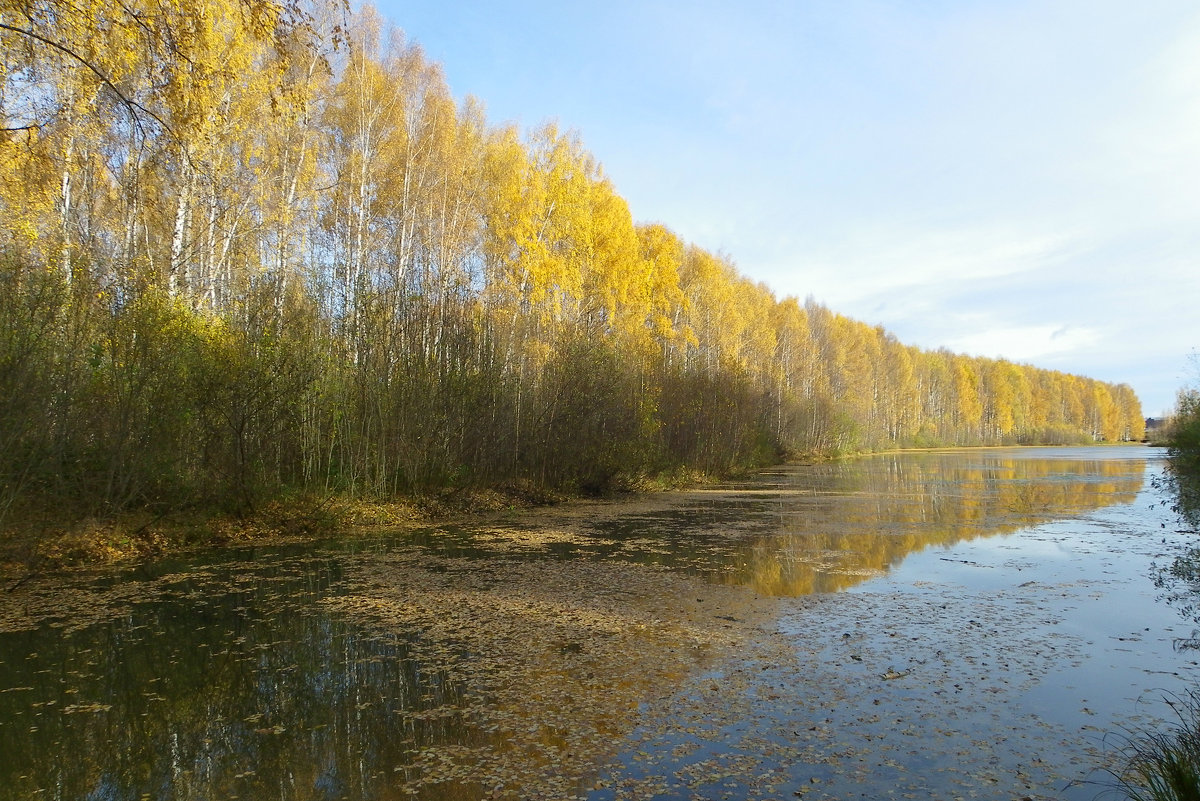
pixel 134 108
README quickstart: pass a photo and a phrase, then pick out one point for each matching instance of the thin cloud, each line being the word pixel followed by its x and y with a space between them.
pixel 928 268
pixel 1026 343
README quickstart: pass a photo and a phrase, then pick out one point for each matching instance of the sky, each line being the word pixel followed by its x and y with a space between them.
pixel 1016 179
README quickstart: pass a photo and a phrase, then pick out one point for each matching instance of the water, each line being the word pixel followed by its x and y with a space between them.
pixel 726 642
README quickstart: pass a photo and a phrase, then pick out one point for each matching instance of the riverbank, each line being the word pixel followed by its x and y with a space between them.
pixel 41 539
pixel 45 539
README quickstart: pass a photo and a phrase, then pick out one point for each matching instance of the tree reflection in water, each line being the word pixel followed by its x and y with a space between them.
pixel 191 694
pixel 1180 579
pixel 448 665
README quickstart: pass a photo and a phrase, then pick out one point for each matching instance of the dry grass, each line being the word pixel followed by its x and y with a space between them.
pixel 33 540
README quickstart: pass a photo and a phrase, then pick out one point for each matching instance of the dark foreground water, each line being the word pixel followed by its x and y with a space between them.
pixel 928 625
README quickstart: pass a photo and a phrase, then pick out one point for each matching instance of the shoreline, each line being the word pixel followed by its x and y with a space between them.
pixel 39 541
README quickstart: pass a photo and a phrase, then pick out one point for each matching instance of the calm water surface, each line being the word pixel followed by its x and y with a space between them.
pixel 229 676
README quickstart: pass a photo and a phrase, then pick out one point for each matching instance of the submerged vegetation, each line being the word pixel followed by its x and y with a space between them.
pixel 253 251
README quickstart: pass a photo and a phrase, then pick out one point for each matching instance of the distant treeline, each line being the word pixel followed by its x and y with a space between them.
pixel 253 248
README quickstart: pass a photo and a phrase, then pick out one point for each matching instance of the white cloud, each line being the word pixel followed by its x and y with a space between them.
pixel 1026 343
pixel 936 263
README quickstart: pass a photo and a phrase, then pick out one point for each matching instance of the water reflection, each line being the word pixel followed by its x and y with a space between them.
pixel 251 693
pixel 1179 579
pixel 461 662
pixel 882 509
pixel 822 528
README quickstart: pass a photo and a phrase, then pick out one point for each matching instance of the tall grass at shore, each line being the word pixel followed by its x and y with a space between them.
pixel 1164 765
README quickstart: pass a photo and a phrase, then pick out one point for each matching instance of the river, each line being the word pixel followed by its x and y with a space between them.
pixel 969 624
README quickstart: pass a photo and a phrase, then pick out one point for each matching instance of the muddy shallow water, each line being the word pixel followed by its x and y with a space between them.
pixel 975 624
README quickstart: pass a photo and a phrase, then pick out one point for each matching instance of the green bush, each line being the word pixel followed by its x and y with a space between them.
pixel 1184 435
pixel 1184 449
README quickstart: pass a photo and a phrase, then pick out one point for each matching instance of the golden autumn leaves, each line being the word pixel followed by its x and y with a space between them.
pixel 408 295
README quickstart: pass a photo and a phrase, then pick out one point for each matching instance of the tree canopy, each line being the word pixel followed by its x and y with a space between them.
pixel 250 247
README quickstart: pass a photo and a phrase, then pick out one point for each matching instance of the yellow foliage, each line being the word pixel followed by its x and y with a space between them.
pixel 254 160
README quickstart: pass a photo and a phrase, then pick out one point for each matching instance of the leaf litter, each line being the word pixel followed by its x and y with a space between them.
pixel 559 678
pixel 558 658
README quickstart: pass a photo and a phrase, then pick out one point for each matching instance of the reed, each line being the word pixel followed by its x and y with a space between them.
pixel 1164 764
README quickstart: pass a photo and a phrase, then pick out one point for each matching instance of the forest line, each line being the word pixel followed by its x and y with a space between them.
pixel 252 249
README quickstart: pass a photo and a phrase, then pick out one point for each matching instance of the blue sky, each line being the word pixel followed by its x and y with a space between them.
pixel 1016 179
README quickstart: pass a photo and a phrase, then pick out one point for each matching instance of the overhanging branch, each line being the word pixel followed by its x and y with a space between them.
pixel 136 110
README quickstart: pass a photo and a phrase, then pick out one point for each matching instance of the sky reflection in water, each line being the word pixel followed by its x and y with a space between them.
pixel 275 674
